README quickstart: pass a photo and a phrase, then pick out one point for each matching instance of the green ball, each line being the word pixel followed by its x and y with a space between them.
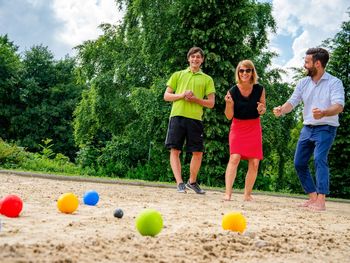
pixel 149 222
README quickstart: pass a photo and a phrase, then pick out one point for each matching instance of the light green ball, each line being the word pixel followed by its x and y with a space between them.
pixel 149 222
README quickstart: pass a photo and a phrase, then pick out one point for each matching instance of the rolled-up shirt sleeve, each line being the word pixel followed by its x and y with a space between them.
pixel 337 93
pixel 297 94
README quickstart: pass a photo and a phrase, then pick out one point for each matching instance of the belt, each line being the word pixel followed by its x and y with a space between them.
pixel 313 126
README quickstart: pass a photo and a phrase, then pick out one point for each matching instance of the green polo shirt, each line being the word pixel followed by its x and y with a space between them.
pixel 199 83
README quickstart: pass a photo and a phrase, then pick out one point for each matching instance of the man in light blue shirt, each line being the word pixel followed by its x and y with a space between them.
pixel 323 97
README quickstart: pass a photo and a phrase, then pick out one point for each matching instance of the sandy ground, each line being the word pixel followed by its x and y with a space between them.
pixel 277 230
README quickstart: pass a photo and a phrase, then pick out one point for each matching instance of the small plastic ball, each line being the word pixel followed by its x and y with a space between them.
pixel 67 203
pixel 11 206
pixel 91 197
pixel 118 213
pixel 234 221
pixel 149 222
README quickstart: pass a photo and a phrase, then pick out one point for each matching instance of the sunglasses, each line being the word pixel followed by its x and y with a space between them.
pixel 248 70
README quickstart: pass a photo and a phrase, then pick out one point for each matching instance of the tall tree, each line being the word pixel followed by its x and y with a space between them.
pixel 107 70
pixel 339 66
pixel 10 82
pixel 44 102
pixel 147 47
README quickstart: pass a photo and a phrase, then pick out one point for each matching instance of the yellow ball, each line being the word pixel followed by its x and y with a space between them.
pixel 234 221
pixel 149 222
pixel 67 203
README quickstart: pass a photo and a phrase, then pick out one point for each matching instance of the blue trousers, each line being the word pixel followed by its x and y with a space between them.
pixel 316 140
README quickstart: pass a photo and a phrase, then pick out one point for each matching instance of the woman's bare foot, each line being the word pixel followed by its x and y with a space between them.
pixel 248 198
pixel 227 197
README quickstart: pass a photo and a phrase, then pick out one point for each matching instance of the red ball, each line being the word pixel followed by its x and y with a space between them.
pixel 11 206
pixel 0 205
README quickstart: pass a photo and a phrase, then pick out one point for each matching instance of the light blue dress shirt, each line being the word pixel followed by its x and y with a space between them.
pixel 328 91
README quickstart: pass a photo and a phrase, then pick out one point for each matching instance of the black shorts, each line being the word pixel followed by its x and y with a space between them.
pixel 181 128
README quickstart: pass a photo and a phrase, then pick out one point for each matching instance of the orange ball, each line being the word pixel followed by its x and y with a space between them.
pixel 67 203
pixel 234 221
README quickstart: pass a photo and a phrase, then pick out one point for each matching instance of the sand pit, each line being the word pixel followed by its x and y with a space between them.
pixel 277 230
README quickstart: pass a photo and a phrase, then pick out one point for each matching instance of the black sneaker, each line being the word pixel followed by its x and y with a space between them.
pixel 181 188
pixel 195 187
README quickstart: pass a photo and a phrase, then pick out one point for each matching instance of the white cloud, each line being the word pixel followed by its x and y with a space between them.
pixel 81 18
pixel 28 23
pixel 63 24
pixel 36 3
pixel 59 24
pixel 308 23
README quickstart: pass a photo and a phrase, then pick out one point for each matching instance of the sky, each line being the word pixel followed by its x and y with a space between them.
pixel 63 24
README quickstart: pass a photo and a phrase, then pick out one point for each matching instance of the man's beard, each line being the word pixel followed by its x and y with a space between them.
pixel 311 72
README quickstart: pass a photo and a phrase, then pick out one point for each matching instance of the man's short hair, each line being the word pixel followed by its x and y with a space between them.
pixel 319 54
pixel 194 50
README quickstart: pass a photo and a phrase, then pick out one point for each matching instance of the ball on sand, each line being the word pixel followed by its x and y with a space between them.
pixel 11 206
pixel 149 222
pixel 67 203
pixel 234 221
pixel 118 213
pixel 91 197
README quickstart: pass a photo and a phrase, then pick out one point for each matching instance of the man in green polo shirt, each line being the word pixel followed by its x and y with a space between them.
pixel 190 90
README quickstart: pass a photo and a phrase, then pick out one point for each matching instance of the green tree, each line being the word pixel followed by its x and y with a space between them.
pixel 10 83
pixel 46 98
pixel 278 142
pixel 339 66
pixel 109 67
pixel 106 70
pixel 144 50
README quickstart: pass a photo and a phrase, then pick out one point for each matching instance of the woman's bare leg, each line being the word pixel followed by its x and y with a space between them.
pixel 230 175
pixel 253 166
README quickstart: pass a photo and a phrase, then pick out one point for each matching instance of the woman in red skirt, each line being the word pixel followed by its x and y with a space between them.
pixel 245 102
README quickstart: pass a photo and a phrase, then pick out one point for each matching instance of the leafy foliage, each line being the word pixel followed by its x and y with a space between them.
pixel 14 157
pixel 10 78
pixel 116 93
pixel 140 55
pixel 11 156
pixel 339 66
pixel 37 98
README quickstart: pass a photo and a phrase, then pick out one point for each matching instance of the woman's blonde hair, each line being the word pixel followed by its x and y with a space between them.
pixel 248 64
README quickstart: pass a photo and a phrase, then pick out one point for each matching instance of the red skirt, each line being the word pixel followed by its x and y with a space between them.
pixel 245 138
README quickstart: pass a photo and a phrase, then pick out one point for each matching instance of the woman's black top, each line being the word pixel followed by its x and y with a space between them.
pixel 246 107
